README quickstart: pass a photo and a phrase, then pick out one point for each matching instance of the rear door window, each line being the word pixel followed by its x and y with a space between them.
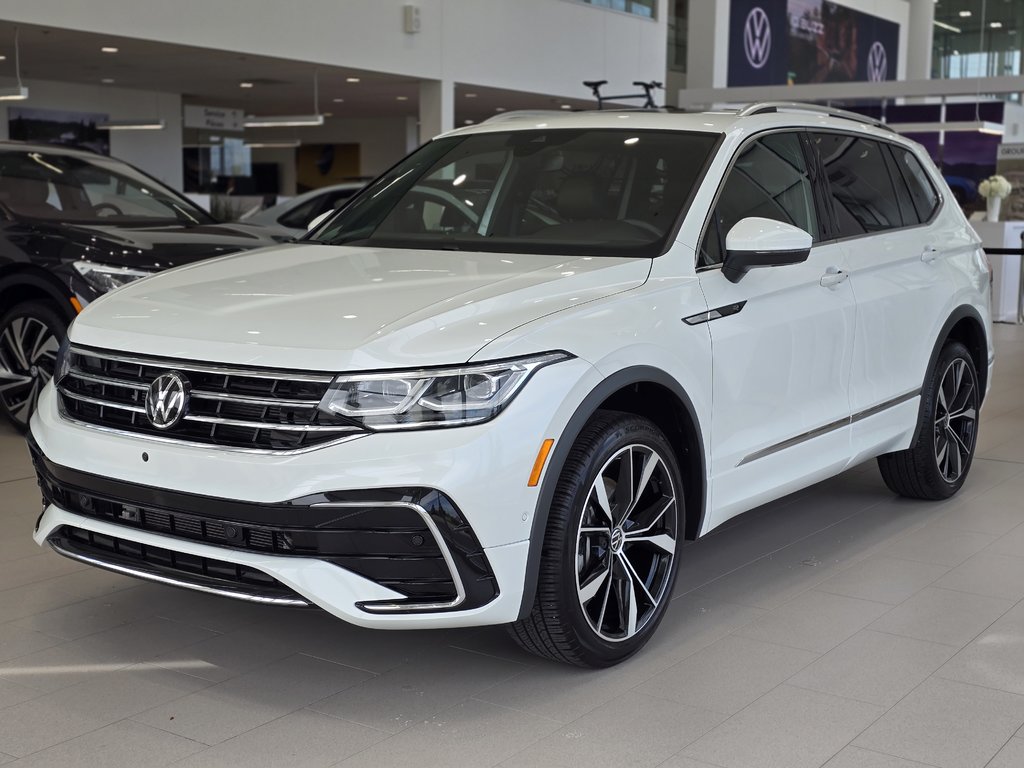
pixel 862 192
pixel 925 198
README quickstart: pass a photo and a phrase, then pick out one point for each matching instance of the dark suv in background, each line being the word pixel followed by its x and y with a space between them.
pixel 74 225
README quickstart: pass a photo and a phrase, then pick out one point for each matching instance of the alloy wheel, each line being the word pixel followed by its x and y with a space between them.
pixel 956 420
pixel 626 543
pixel 28 353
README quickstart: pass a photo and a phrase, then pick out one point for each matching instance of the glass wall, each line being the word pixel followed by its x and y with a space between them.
pixel 977 38
pixel 678 28
pixel 638 7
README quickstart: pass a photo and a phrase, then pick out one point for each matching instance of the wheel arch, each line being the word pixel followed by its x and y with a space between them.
pixel 644 391
pixel 965 325
pixel 25 283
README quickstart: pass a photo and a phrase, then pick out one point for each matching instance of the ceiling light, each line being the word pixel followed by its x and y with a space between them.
pixel 245 84
pixel 108 49
pixel 3 58
pixel 18 93
pixel 339 101
pixel 284 144
pixel 467 122
pixel 351 79
pixel 996 25
pixel 567 106
pixel 980 126
pixel 499 109
pixel 948 27
pixel 107 80
pixel 470 95
pixel 154 124
pixel 965 14
pixel 402 98
pixel 284 121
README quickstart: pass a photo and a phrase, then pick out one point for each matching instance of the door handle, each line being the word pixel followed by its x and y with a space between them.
pixel 833 276
pixel 929 254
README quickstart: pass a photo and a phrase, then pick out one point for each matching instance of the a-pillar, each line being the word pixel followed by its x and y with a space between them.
pixel 919 39
pixel 437 108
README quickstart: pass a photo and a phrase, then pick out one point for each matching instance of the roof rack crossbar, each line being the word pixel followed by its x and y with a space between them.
pixel 798 106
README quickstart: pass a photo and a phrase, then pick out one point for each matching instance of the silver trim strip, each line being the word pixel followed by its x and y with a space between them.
pixel 283 401
pixel 147 576
pixel 839 424
pixel 99 402
pixel 219 448
pixel 460 590
pixel 182 365
pixel 75 373
pixel 269 425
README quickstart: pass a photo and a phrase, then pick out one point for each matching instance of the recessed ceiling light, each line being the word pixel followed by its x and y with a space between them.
pixel 499 109
pixel 468 122
pixel 3 58
pixel 470 95
pixel 402 98
pixel 965 14
pixel 108 49
pixel 107 80
pixel 567 106
pixel 996 25
pixel 956 53
pixel 338 101
pixel 351 79
pixel 245 84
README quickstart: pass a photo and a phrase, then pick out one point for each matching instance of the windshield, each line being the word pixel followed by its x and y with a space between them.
pixel 88 190
pixel 590 192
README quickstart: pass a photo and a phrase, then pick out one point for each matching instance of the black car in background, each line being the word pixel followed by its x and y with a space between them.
pixel 74 225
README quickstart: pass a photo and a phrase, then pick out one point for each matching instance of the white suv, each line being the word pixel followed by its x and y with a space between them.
pixel 506 382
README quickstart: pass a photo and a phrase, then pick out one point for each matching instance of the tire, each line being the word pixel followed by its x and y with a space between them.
pixel 30 335
pixel 936 466
pixel 609 559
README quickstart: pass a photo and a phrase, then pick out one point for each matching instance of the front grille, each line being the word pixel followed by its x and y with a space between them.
pixel 167 566
pixel 248 409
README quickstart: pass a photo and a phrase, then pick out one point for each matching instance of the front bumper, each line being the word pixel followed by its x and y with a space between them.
pixel 465 488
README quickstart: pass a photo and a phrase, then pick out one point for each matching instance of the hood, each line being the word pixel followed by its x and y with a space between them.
pixel 337 308
pixel 157 246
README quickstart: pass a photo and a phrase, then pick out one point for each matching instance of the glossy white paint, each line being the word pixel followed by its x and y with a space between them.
pixel 773 387
pixel 766 235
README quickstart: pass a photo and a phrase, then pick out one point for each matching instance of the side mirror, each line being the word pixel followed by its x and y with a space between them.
pixel 756 242
pixel 319 220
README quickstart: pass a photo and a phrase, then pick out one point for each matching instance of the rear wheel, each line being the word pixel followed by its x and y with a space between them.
pixel 936 466
pixel 610 554
pixel 30 335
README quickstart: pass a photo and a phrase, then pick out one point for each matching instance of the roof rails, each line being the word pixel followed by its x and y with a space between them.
pixel 797 106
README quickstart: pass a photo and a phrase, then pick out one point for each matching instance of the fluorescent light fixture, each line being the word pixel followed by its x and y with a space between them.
pixel 2 57
pixel 108 49
pixel 965 14
pixel 947 27
pixel 284 121
pixel 499 109
pixel 401 98
pixel 979 126
pixel 245 84
pixel 155 124
pixel 996 25
pixel 18 93
pixel 351 79
pixel 566 106
pixel 283 144
pixel 107 80
pixel 339 101
pixel 470 95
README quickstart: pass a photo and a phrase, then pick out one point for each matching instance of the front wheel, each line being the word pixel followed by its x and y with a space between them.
pixel 610 555
pixel 936 466
pixel 30 336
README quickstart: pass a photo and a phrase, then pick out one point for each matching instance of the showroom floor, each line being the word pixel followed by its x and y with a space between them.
pixel 840 626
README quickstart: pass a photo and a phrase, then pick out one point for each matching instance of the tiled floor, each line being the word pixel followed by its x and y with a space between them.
pixel 840 627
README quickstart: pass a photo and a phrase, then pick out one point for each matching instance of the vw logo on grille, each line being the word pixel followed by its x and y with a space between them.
pixel 757 37
pixel 167 400
pixel 878 62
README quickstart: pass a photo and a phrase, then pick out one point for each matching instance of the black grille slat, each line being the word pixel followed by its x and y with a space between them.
pixel 119 391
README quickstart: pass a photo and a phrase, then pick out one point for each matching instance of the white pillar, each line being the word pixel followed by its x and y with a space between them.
pixel 919 39
pixel 437 108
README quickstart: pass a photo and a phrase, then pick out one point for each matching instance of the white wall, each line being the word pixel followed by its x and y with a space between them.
pixel 158 153
pixel 541 46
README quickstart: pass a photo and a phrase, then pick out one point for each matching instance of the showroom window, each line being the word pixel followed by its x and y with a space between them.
pixel 770 180
pixel 636 7
pixel 678 29
pixel 862 193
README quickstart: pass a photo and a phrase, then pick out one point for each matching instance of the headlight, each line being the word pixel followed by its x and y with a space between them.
pixel 105 278
pixel 443 397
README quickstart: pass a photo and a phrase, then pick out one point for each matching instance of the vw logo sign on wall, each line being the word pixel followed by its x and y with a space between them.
pixel 757 37
pixel 167 400
pixel 878 63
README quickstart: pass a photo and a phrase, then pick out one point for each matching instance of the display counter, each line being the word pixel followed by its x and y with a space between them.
pixel 1006 268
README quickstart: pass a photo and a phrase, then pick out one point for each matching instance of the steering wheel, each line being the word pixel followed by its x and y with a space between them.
pixel 107 206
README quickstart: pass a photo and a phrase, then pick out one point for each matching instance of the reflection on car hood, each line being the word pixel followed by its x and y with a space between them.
pixel 334 308
pixel 157 246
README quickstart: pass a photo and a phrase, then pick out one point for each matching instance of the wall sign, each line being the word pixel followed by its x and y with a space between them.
pixel 778 42
pixel 214 118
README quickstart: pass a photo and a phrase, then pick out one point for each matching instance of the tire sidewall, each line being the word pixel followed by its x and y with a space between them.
pixel 950 353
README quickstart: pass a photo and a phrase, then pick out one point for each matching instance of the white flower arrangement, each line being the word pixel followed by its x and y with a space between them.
pixel 995 186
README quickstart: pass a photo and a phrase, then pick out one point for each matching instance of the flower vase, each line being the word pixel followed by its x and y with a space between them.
pixel 994 204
